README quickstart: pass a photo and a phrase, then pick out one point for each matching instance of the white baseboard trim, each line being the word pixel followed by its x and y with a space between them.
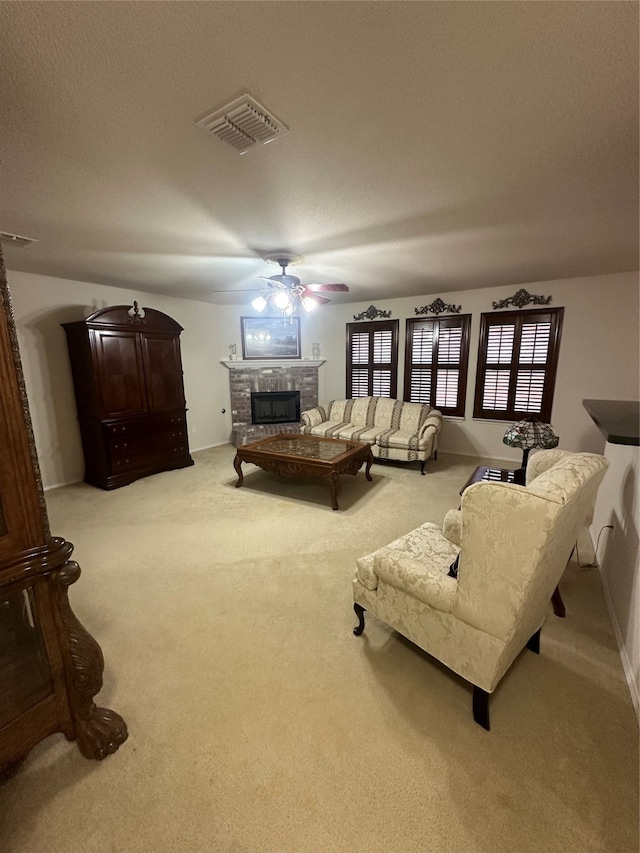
pixel 513 462
pixel 60 485
pixel 624 657
pixel 208 446
pixel 74 482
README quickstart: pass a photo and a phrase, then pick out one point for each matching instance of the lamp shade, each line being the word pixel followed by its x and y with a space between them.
pixel 529 433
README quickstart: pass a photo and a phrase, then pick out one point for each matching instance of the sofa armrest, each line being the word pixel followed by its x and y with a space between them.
pixel 416 579
pixel 452 526
pixel 313 417
pixel 433 423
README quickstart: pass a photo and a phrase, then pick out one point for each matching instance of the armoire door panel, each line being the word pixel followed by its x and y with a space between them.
pixel 163 371
pixel 120 367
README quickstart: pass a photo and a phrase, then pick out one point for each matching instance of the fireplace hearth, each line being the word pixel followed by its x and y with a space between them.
pixel 275 407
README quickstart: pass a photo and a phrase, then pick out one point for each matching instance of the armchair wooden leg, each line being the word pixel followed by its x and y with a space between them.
pixel 534 642
pixel 558 603
pixel 422 464
pixel 481 707
pixel 360 611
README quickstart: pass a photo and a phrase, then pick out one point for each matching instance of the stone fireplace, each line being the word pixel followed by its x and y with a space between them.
pixel 273 385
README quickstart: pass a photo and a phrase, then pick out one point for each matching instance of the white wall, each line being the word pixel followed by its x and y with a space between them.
pixel 42 303
pixel 618 504
pixel 599 357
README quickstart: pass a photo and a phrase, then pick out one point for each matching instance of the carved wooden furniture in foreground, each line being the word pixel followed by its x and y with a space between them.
pixel 296 455
pixel 127 374
pixel 50 667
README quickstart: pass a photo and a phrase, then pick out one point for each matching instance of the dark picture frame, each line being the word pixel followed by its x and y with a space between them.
pixel 270 337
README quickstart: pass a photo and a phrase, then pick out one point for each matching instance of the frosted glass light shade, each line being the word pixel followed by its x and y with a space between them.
pixel 259 303
pixel 281 300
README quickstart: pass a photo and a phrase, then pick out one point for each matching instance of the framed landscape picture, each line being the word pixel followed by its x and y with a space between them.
pixel 270 337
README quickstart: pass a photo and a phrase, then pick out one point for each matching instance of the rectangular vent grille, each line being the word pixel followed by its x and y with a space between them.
pixel 15 239
pixel 242 124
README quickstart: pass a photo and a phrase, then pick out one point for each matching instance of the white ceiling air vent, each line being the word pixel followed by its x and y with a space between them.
pixel 242 124
pixel 15 239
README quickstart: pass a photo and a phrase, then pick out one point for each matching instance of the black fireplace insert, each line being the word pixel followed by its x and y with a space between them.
pixel 275 407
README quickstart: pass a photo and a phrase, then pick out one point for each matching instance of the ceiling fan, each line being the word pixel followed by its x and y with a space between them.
pixel 283 290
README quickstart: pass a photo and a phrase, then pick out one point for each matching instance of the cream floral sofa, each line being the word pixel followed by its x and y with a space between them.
pixel 406 432
pixel 474 594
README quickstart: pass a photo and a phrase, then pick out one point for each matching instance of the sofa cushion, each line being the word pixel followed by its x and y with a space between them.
pixel 399 439
pixel 351 432
pixel 425 581
pixel 339 411
pixel 386 413
pixel 361 412
pixel 412 417
pixel 330 429
pixel 425 543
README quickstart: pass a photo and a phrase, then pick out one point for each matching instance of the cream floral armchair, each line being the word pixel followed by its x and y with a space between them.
pixel 476 593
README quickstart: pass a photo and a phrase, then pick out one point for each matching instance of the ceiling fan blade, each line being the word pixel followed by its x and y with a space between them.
pixel 329 287
pixel 272 282
pixel 240 290
pixel 321 300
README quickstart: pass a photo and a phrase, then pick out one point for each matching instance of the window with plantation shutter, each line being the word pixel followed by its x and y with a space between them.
pixel 435 365
pixel 372 359
pixel 517 361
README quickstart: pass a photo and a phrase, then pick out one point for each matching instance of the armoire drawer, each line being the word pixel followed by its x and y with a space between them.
pixel 128 453
pixel 170 437
pixel 126 429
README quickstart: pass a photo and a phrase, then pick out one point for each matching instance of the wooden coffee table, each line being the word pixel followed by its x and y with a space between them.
pixel 294 455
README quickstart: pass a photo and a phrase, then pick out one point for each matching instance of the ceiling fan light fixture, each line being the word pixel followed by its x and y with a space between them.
pixel 281 300
pixel 259 303
pixel 308 303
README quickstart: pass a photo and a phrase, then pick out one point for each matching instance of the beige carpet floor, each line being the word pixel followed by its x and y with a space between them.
pixel 259 724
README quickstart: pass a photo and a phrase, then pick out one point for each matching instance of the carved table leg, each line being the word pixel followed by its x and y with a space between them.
pixel 237 464
pixel 335 481
pixel 99 731
pixel 369 464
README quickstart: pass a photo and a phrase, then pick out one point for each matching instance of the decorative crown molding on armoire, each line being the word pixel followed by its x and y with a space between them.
pixel 50 666
pixel 127 375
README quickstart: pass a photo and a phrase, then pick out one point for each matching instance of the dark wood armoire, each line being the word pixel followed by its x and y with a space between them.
pixel 50 667
pixel 127 374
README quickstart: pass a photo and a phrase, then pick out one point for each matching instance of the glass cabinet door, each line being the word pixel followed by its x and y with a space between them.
pixel 25 674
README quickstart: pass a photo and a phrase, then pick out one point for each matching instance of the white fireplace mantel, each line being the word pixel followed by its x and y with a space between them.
pixel 242 364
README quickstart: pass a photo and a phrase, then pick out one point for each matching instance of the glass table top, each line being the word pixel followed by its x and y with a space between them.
pixel 308 447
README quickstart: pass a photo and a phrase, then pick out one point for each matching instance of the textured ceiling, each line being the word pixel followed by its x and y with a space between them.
pixel 432 146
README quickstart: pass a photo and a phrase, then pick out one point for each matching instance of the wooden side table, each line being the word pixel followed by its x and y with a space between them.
pixel 503 475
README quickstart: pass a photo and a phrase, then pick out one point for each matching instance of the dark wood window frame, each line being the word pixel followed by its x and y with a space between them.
pixel 371 372
pixel 509 366
pixel 438 362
